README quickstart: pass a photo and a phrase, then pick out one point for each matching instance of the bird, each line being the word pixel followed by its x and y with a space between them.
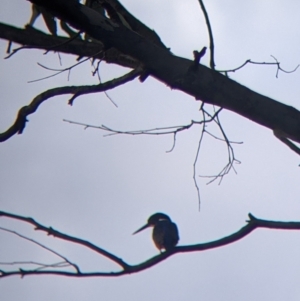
pixel 165 233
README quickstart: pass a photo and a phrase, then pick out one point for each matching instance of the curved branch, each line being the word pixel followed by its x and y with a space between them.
pixel 210 34
pixel 55 233
pixel 20 123
pixel 253 223
pixel 261 63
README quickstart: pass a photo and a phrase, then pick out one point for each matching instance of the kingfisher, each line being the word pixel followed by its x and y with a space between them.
pixel 165 233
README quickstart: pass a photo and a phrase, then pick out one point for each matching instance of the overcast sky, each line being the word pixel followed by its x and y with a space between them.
pixel 104 188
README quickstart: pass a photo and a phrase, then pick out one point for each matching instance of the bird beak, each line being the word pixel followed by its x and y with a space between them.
pixel 141 229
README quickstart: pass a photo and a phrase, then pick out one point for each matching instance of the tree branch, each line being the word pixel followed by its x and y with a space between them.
pixel 34 39
pixel 21 119
pixel 203 84
pixel 252 224
pixel 55 233
pixel 210 34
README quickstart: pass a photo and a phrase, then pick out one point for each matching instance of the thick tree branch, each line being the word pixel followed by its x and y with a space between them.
pixel 132 22
pixel 34 39
pixel 253 223
pixel 203 84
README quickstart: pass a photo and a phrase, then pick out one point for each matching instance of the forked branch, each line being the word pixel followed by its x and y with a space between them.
pixel 174 130
pixel 45 269
pixel 20 122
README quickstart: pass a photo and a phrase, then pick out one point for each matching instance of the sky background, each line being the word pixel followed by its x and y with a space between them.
pixel 104 188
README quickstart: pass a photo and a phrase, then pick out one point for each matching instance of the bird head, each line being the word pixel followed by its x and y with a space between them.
pixel 153 220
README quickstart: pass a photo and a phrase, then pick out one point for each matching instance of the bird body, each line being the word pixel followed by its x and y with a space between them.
pixel 165 233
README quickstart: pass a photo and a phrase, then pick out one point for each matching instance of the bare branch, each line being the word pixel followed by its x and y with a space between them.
pixel 58 71
pixel 210 34
pixel 174 71
pixel 40 265
pixel 174 130
pixel 20 123
pixel 96 71
pixel 195 164
pixel 260 63
pixel 222 139
pixel 252 224
pixel 44 247
pixel 55 233
pixel 155 131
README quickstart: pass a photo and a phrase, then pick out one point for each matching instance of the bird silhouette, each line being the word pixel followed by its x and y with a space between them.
pixel 165 233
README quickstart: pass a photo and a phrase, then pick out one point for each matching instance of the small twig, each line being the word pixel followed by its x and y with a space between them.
pixel 97 71
pixel 231 157
pixel 195 163
pixel 260 63
pixel 8 49
pixel 43 246
pixel 14 51
pixel 174 143
pixel 174 130
pixel 155 131
pixel 64 42
pixel 59 71
pixel 222 139
pixel 211 38
pixel 283 138
pixel 61 264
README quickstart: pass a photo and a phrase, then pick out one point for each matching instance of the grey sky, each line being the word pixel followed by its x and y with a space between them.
pixel 104 188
